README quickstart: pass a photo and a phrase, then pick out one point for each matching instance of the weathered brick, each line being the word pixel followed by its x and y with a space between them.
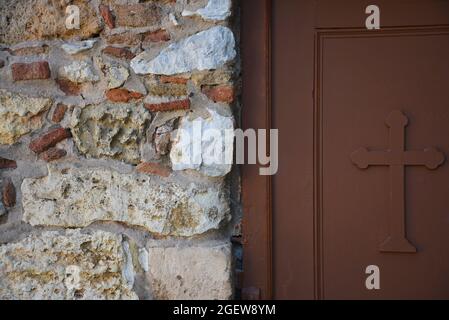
pixel 137 15
pixel 30 71
pixel 7 164
pixel 29 51
pixel 53 154
pixel 224 93
pixel 50 139
pixel 168 106
pixel 122 95
pixel 108 18
pixel 160 35
pixel 68 87
pixel 126 38
pixel 59 113
pixel 9 194
pixel 119 52
pixel 154 168
pixel 170 79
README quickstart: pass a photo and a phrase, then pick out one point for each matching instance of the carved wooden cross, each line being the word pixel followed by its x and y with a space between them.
pixel 396 157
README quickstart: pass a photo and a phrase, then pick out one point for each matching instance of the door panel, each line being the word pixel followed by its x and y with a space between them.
pixel 363 79
pixel 334 86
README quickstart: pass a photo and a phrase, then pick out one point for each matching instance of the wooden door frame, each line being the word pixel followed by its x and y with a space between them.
pixel 256 114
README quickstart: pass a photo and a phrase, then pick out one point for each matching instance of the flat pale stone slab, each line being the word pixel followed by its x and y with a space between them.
pixel 78 46
pixel 74 197
pixel 65 266
pixel 191 273
pixel 206 50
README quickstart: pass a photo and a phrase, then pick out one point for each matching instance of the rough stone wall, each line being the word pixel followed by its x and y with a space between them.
pixel 98 201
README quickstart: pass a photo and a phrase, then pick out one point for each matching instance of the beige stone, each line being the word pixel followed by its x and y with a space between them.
pixel 64 266
pixel 24 20
pixel 220 76
pixel 19 115
pixel 78 197
pixel 192 273
pixel 110 130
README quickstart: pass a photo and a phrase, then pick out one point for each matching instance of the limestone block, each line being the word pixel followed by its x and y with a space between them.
pixel 64 266
pixel 19 115
pixel 79 197
pixel 191 273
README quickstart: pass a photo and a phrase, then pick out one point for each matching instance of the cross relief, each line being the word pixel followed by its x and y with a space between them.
pixel 396 158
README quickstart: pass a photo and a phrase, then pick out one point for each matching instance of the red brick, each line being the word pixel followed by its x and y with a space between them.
pixel 176 80
pixel 59 113
pixel 7 164
pixel 68 87
pixel 119 52
pixel 9 194
pixel 30 71
pixel 168 106
pixel 154 169
pixel 108 18
pixel 53 154
pixel 224 93
pixel 126 38
pixel 50 139
pixel 160 35
pixel 122 95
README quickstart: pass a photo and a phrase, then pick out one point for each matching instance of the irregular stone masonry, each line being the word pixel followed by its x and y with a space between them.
pixel 94 143
pixel 70 265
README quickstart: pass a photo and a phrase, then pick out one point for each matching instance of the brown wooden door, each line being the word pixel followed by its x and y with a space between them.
pixel 363 119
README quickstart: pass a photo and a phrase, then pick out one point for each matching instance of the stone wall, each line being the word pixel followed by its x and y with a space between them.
pixel 98 200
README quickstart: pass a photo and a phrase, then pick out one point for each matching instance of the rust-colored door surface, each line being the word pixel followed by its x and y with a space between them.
pixel 361 199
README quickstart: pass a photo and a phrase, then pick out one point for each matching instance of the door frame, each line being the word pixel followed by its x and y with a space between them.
pixel 257 282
